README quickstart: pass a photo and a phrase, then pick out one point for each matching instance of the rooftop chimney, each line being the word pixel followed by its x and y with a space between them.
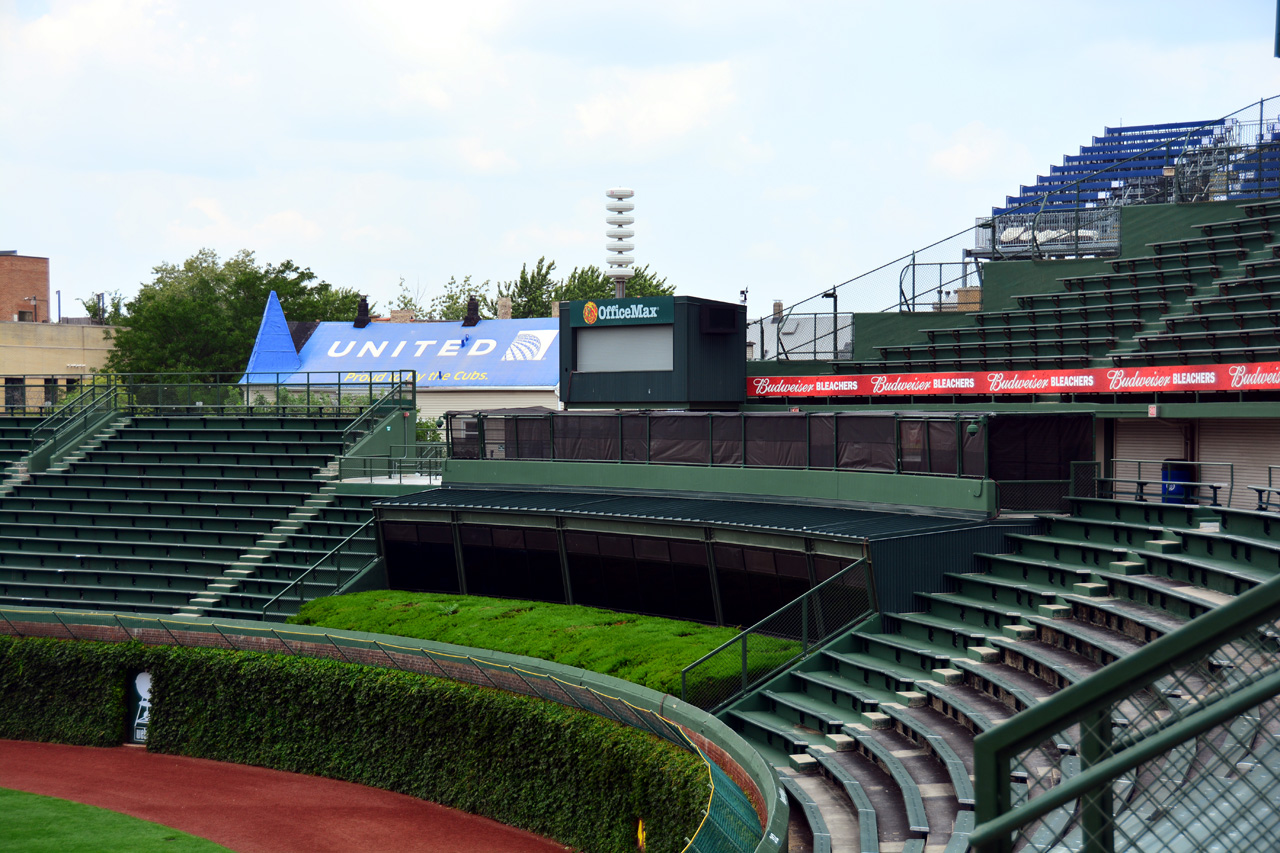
pixel 362 313
pixel 473 312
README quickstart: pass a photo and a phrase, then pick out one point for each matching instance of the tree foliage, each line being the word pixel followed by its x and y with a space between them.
pixel 452 304
pixel 202 317
pixel 531 294
pixel 591 283
pixel 109 312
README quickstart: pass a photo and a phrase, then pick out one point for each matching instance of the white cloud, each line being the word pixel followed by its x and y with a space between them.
pixel 214 226
pixel 485 160
pixel 638 110
pixel 976 152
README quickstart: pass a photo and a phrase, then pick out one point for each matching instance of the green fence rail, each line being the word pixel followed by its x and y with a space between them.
pixel 1175 747
pixel 779 640
pixel 330 574
pixel 732 821
pixel 405 460
pixel 307 394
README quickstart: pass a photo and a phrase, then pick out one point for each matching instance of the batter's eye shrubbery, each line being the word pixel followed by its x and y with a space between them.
pixel 557 771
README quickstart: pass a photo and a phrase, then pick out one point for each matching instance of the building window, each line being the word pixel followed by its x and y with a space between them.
pixel 26 316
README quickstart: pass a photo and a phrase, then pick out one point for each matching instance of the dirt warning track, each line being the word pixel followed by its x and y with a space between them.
pixel 251 809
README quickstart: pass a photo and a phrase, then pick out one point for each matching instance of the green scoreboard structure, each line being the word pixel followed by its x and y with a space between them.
pixel 654 352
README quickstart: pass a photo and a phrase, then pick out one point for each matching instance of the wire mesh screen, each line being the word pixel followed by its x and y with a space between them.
pixel 779 639
pixel 1196 754
pixel 731 822
pixel 1033 233
pixel 1035 495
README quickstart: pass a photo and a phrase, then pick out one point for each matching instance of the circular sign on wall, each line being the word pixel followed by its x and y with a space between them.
pixel 590 312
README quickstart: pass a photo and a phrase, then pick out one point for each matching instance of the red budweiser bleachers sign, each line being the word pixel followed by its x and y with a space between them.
pixel 1257 376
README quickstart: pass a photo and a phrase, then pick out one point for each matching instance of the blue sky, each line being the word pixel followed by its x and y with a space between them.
pixel 781 147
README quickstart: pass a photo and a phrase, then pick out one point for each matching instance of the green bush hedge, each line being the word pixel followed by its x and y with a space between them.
pixel 571 776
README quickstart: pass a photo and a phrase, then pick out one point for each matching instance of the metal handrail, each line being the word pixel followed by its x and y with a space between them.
pixel 317 565
pixel 57 423
pixel 1140 482
pixel 995 749
pixel 807 643
pixel 376 409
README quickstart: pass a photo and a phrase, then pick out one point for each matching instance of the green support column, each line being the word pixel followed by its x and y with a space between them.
pixel 1095 806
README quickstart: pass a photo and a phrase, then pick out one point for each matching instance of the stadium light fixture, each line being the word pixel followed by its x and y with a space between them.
pixel 619 260
pixel 835 319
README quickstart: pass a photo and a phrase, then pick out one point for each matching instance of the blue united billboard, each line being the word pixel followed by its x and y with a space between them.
pixel 494 354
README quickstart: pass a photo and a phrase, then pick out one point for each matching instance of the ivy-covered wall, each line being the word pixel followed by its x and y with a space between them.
pixel 566 774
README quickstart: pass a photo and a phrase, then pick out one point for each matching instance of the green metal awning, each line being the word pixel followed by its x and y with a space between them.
pixel 822 521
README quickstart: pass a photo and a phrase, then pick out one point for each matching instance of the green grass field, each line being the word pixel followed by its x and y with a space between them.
pixel 645 650
pixel 35 824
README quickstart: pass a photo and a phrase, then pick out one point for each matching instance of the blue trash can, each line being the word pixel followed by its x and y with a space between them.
pixel 1175 475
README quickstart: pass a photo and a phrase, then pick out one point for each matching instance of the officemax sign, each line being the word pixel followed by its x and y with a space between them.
pixel 652 310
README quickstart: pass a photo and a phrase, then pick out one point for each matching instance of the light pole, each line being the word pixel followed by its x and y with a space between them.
pixel 835 320
pixel 619 220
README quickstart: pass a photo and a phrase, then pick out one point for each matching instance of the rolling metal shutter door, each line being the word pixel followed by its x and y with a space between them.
pixel 432 404
pixel 1250 445
pixel 1151 441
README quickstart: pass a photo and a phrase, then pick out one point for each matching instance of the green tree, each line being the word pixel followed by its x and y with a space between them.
pixel 591 283
pixel 452 304
pixel 110 312
pixel 531 294
pixel 202 317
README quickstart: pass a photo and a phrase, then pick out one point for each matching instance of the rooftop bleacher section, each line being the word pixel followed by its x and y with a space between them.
pixel 1218 160
pixel 1210 295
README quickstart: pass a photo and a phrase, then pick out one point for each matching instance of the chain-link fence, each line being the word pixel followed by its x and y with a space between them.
pixel 732 821
pixel 778 640
pixel 1038 234
pixel 1175 747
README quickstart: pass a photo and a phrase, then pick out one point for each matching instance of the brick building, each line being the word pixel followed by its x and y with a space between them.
pixel 39 359
pixel 24 288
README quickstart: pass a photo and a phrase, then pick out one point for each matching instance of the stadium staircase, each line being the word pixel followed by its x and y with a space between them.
pixel 177 514
pixel 1213 296
pixel 873 736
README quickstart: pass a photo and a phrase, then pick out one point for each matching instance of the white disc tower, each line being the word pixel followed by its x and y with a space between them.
pixel 620 246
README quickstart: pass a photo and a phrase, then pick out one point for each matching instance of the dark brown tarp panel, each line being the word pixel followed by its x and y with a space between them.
pixel 912 437
pixel 866 443
pixel 635 438
pixel 1031 447
pixel 528 438
pixel 679 439
pixel 943 444
pixel 776 441
pixel 726 440
pixel 587 437
pixel 822 441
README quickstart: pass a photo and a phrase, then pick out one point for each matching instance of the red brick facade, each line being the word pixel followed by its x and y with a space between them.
pixel 21 277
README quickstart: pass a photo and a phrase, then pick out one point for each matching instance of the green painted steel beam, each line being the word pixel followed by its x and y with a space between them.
pixel 961 498
pixel 992 834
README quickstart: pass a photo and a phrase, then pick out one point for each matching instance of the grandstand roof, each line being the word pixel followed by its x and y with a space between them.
pixel 495 354
pixel 830 522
